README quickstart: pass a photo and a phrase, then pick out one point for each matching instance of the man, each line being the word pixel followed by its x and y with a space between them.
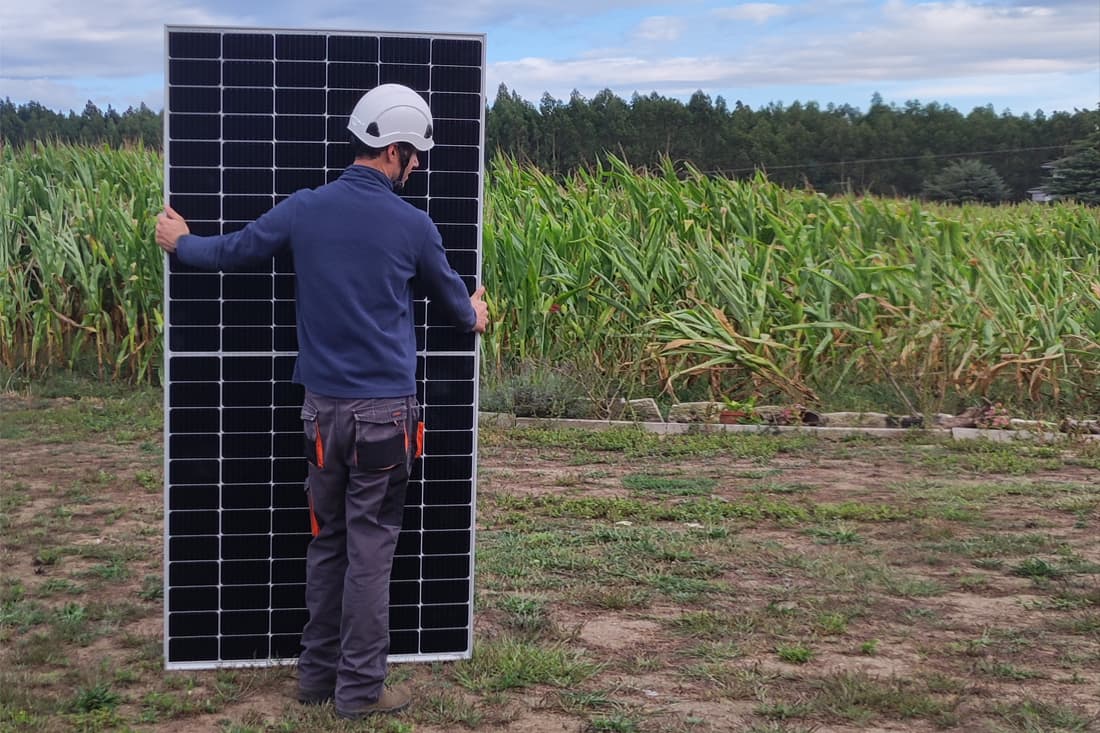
pixel 356 246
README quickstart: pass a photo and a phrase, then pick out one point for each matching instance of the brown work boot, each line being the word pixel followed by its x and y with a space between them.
pixel 392 700
pixel 315 697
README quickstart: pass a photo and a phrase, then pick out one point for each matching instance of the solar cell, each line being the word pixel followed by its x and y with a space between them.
pixel 252 116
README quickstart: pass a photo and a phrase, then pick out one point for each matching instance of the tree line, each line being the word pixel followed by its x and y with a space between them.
pixel 888 150
pixel 32 121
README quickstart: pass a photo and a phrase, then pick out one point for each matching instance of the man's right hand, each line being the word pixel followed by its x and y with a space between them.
pixel 481 310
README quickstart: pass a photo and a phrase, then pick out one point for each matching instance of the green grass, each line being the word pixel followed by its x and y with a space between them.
pixel 119 420
pixel 1035 716
pixel 860 698
pixel 617 579
pixel 794 653
pixel 508 663
pixel 636 443
pixel 835 535
pixel 448 710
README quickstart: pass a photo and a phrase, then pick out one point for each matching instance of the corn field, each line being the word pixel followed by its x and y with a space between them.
pixel 80 277
pixel 659 279
pixel 643 282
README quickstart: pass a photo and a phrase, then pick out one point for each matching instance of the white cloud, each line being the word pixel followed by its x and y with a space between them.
pixel 64 38
pixel 614 72
pixel 1043 91
pixel 660 28
pixel 50 46
pixel 752 12
pixel 908 41
pixel 68 96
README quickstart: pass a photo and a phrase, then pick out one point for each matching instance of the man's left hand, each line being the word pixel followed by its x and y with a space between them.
pixel 170 227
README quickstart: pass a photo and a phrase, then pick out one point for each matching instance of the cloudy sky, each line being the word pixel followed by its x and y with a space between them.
pixel 1018 55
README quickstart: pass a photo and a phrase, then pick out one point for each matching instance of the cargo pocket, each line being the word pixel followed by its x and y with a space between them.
pixel 382 446
pixel 314 446
pixel 380 440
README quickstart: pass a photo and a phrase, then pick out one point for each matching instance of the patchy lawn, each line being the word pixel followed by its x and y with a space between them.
pixel 625 582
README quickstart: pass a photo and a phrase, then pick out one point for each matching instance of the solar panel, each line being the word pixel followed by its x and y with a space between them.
pixel 253 115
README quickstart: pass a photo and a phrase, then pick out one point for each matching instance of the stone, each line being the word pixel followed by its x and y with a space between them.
pixel 789 415
pixel 697 412
pixel 857 419
pixel 643 410
pixel 910 421
pixel 640 410
pixel 943 420
pixel 1036 425
pixel 1070 425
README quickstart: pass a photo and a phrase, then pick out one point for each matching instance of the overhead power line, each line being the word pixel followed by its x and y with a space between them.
pixel 893 159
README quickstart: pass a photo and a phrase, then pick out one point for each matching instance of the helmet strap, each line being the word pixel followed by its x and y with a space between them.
pixel 404 157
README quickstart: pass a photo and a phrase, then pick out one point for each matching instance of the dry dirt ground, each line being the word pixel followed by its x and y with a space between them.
pixel 624 583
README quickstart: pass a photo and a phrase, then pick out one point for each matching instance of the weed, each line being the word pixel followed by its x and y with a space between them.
pixel 149 480
pixel 507 662
pixel 794 653
pixel 1006 671
pixel 152 588
pixel 783 710
pixel 776 726
pixel 98 696
pixel 48 556
pixel 832 623
pixel 157 706
pixel 1036 568
pixel 685 590
pixel 703 624
pixel 113 570
pixel 836 535
pixel 579 701
pixel 22 614
pixel 731 681
pixel 615 723
pixel 71 621
pixel 57 586
pixel 915 614
pixel 859 697
pixel 448 709
pixel 998 460
pixel 526 614
pixel 1034 716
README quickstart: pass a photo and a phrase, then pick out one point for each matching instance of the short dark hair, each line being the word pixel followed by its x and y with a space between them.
pixel 360 149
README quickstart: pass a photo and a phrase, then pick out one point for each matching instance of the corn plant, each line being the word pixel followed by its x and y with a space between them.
pixel 642 280
pixel 80 274
pixel 675 275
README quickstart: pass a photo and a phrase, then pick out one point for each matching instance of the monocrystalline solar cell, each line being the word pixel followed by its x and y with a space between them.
pixel 252 116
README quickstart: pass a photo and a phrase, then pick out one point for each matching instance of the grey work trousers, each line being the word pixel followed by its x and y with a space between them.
pixel 360 452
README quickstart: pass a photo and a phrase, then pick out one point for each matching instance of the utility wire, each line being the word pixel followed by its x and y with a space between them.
pixel 885 160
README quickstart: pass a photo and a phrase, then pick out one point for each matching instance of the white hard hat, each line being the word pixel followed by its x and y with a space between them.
pixel 392 113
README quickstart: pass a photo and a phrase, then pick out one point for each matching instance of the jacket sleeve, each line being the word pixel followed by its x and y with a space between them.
pixel 258 241
pixel 443 284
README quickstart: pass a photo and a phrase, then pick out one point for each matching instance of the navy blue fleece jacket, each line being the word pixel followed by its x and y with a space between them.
pixel 357 246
